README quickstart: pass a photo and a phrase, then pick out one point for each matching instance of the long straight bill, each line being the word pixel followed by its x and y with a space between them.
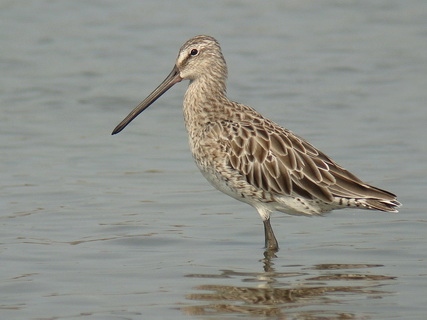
pixel 170 80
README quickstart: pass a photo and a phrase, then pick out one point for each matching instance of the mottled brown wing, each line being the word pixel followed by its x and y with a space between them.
pixel 275 160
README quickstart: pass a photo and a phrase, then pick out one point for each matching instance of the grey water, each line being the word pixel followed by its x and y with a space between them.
pixel 94 226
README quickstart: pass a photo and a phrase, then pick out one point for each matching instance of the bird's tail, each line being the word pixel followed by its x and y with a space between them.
pixel 361 195
pixel 381 204
pixel 379 199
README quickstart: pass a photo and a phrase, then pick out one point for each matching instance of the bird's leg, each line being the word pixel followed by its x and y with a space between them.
pixel 270 239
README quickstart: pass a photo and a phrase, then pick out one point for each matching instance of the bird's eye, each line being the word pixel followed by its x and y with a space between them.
pixel 194 52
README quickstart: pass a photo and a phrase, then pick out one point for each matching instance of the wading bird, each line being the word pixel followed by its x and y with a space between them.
pixel 251 158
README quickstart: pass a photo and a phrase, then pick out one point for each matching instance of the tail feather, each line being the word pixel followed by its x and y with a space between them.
pixel 359 194
pixel 381 200
pixel 381 204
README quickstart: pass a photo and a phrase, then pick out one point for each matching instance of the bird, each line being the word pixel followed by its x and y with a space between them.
pixel 251 158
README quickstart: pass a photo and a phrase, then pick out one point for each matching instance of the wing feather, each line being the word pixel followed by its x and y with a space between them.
pixel 275 160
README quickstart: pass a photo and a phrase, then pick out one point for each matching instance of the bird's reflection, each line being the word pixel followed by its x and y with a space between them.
pixel 286 295
pixel 268 260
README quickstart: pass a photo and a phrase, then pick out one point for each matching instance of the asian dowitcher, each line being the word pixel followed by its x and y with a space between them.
pixel 251 158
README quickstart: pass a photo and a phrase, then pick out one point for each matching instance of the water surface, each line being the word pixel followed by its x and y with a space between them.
pixel 125 227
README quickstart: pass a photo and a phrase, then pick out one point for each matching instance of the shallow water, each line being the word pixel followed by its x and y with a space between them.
pixel 125 227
